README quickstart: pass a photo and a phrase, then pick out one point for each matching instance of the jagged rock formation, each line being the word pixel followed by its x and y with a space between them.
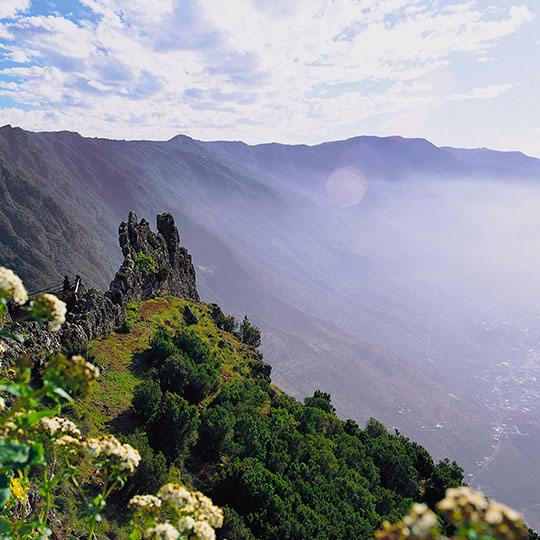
pixel 154 264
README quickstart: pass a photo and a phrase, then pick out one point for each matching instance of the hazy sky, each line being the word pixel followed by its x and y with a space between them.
pixel 458 72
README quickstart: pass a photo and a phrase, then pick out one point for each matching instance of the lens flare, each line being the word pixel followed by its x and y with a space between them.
pixel 346 186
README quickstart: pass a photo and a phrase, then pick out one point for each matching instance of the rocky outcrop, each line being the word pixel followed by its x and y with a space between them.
pixel 154 264
pixel 93 315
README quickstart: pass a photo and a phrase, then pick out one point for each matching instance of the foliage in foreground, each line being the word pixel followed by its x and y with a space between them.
pixel 467 513
pixel 41 452
pixel 280 469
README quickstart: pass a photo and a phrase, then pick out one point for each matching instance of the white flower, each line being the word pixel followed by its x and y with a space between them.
pixel 2 403
pixel 203 531
pixel 175 495
pixel 162 531
pixel 3 349
pixel 89 370
pixel 143 502
pixel 68 443
pixel 11 287
pixel 49 307
pixel 108 448
pixel 58 424
pixel 420 520
pixel 186 524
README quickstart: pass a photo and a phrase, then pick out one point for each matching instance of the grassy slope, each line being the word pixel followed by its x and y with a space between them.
pixel 122 358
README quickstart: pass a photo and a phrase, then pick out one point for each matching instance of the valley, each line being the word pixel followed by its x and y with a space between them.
pixel 395 275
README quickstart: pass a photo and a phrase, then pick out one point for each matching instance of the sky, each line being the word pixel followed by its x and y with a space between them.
pixel 463 73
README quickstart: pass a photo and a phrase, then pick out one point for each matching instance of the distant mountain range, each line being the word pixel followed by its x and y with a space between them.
pixel 380 270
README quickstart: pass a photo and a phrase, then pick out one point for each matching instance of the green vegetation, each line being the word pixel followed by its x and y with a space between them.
pixel 194 406
pixel 194 401
pixel 145 264
pixel 48 455
pixel 41 239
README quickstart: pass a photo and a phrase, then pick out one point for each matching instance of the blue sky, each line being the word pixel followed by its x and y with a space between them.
pixel 457 72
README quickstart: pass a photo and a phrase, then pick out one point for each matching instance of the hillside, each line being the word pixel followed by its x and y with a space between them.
pixel 185 386
pixel 193 397
pixel 394 274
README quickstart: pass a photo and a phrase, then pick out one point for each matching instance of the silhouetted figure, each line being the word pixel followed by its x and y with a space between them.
pixel 67 284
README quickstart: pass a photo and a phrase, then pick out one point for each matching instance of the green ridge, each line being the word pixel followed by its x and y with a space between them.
pixel 205 414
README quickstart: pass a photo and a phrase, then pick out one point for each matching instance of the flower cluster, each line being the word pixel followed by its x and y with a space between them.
pixel 192 513
pixel 141 503
pixel 176 496
pixel 68 445
pixel 90 371
pixel 107 449
pixel 10 431
pixel 420 520
pixel 11 287
pixel 57 426
pixel 49 308
pixel 74 374
pixel 195 504
pixel 470 513
pixel 162 531
pixel 465 507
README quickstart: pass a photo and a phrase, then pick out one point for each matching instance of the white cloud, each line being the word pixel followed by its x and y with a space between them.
pixel 9 8
pixel 263 70
pixel 483 93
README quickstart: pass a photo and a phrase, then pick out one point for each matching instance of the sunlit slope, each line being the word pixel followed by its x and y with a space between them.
pixel 123 356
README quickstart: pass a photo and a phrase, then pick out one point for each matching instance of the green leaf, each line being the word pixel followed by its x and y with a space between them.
pixel 5 491
pixel 62 393
pixel 11 388
pixel 31 419
pixel 15 456
pixel 5 526
pixel 36 454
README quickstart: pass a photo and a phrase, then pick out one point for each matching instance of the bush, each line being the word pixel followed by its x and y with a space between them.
pixel 145 265
pixel 248 334
pixel 162 346
pixel 146 399
pixel 172 428
pixel 320 400
pixel 152 471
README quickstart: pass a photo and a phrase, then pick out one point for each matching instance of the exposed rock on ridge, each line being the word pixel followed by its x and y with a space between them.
pixel 154 265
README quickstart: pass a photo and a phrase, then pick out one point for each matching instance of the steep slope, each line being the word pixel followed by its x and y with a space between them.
pixel 41 240
pixel 396 275
pixel 198 405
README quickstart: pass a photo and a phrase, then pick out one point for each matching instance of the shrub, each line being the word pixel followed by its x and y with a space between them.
pixel 145 265
pixel 146 399
pixel 248 334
